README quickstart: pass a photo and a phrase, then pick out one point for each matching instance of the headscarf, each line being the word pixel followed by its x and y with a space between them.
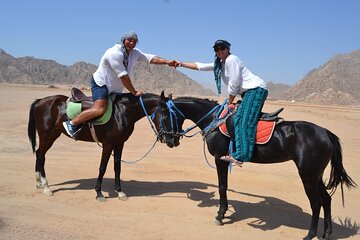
pixel 217 73
pixel 123 49
pixel 217 63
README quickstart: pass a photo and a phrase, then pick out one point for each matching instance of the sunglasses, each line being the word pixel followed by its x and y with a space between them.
pixel 132 40
pixel 220 48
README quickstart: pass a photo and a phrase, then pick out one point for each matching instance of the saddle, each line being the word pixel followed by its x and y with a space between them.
pixel 77 96
pixel 265 126
pixel 79 102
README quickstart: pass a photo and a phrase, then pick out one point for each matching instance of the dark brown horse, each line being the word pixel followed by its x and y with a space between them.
pixel 309 146
pixel 46 117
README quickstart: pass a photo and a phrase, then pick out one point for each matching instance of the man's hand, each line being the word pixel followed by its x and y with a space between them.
pixel 231 99
pixel 174 63
pixel 138 93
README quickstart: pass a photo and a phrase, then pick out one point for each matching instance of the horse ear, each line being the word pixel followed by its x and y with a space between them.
pixel 162 96
pixel 170 96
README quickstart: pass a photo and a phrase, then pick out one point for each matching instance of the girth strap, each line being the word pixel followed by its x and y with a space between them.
pixel 93 132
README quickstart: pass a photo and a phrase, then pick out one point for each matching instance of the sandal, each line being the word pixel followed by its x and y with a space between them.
pixel 231 159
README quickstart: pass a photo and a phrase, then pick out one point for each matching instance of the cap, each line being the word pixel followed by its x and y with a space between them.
pixel 221 42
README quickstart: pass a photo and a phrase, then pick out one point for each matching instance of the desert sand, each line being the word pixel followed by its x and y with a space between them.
pixel 172 193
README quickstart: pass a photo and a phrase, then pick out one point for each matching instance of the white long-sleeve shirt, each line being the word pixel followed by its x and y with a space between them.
pixel 235 75
pixel 111 67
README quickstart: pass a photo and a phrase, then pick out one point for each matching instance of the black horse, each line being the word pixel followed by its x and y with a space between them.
pixel 309 146
pixel 46 117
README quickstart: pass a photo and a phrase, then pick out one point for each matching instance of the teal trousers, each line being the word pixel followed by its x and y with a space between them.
pixel 245 122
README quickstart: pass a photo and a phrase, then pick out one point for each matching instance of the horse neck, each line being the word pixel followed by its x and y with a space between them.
pixel 137 111
pixel 196 110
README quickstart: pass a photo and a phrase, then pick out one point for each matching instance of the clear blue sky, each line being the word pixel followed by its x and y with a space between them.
pixel 279 40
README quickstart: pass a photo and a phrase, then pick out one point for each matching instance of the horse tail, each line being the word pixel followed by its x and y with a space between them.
pixel 32 125
pixel 338 174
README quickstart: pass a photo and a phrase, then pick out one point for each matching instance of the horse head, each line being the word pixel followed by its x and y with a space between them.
pixel 168 121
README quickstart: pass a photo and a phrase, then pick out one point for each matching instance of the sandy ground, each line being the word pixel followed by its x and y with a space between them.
pixel 172 192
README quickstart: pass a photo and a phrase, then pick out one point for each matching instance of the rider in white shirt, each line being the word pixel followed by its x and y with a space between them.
pixel 240 81
pixel 112 75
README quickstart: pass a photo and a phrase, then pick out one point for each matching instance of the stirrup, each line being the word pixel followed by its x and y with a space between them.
pixel 231 159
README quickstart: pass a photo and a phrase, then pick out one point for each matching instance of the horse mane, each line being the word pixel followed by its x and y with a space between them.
pixel 128 98
pixel 195 99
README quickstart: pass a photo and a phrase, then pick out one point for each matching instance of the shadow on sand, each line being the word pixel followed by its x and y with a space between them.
pixel 270 213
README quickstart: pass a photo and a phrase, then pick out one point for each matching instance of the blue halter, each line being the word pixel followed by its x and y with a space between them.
pixel 173 110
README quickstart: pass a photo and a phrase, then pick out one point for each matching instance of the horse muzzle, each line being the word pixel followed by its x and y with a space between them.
pixel 171 139
pixel 173 142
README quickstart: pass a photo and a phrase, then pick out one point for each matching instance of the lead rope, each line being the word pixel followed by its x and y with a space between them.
pixel 154 130
pixel 148 118
pixel 152 127
pixel 138 160
pixel 206 159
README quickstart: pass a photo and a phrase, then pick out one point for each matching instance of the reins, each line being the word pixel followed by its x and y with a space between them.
pixel 154 130
pixel 152 127
pixel 173 109
pixel 148 117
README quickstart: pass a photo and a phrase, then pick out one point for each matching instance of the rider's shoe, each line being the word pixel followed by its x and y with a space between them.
pixel 71 129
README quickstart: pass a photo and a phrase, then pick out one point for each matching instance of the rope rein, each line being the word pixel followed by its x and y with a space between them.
pixel 208 129
pixel 154 130
pixel 173 110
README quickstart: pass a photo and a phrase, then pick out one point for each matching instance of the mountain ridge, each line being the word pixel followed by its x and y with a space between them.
pixel 335 82
pixel 154 78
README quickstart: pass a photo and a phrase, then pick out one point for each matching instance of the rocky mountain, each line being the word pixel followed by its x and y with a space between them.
pixel 276 90
pixel 154 78
pixel 149 78
pixel 335 82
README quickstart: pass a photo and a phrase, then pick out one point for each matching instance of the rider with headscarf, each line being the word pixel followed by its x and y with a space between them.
pixel 240 81
pixel 112 76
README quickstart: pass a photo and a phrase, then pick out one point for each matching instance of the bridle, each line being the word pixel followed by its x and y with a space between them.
pixel 175 112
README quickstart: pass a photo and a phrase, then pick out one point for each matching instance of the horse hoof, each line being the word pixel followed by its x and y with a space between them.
pixel 39 185
pixel 48 192
pixel 218 223
pixel 308 238
pixel 122 196
pixel 101 199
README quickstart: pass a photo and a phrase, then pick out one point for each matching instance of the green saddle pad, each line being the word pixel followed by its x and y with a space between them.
pixel 74 109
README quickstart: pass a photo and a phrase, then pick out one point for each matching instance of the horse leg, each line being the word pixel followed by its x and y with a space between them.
pixel 41 181
pixel 117 169
pixel 222 172
pixel 326 203
pixel 46 140
pixel 102 169
pixel 313 194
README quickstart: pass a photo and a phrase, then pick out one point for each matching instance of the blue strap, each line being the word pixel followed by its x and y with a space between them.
pixel 231 151
pixel 223 105
pixel 208 114
pixel 173 110
pixel 217 118
pixel 147 116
